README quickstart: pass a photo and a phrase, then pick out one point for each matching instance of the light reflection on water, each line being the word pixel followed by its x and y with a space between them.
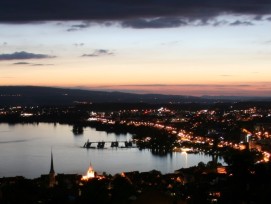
pixel 25 151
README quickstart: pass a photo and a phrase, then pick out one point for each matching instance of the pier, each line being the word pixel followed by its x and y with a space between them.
pixel 114 144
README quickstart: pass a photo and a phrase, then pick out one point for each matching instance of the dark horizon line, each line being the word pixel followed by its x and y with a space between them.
pixel 135 92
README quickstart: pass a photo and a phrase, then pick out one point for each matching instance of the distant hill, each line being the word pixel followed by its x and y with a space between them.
pixel 33 95
pixel 238 98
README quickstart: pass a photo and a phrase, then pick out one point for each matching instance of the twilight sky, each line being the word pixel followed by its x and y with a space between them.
pixel 184 47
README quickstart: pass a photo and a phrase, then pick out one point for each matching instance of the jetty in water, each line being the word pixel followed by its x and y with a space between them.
pixel 114 144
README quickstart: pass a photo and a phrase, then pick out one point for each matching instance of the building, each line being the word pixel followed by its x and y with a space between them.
pixel 52 175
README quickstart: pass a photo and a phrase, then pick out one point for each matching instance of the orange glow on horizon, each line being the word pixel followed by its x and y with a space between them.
pixel 200 89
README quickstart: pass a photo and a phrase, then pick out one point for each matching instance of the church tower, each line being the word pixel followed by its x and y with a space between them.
pixel 52 175
pixel 90 174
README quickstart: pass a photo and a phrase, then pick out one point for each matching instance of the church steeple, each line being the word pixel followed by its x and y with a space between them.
pixel 52 171
pixel 90 173
pixel 52 179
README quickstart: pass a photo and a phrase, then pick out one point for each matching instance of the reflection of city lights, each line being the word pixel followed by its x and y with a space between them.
pixel 185 154
pixel 186 150
pixel 247 137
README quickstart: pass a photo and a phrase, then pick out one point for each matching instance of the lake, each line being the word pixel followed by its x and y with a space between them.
pixel 25 150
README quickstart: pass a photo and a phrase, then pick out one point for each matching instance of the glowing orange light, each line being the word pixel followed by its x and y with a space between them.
pixel 90 174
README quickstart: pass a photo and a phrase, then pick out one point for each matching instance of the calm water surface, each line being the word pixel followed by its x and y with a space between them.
pixel 25 151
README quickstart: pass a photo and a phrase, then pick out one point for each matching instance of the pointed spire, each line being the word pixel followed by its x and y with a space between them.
pixel 52 171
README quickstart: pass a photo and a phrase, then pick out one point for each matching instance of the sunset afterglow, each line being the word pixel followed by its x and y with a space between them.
pixel 221 53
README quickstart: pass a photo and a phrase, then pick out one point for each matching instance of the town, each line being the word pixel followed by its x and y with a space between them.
pixel 191 127
pixel 239 133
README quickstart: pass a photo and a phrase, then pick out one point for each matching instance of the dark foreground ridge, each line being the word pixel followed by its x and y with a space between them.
pixel 34 95
pixel 204 183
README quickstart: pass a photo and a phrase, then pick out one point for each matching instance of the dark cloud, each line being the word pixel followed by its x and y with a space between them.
pixel 122 10
pixel 238 23
pixel 258 18
pixel 78 27
pixel 31 64
pixel 21 63
pixel 154 23
pixel 98 53
pixel 23 55
pixel 220 23
pixel 39 65
pixel 71 29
